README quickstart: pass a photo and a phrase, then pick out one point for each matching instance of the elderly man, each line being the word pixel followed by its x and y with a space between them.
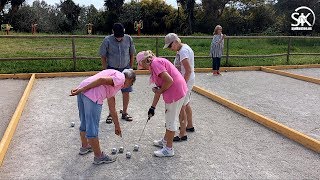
pixel 117 52
pixel 90 95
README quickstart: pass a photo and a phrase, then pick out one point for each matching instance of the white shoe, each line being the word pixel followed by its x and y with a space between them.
pixel 164 152
pixel 160 143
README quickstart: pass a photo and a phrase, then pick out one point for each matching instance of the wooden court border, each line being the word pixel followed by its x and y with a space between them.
pixel 292 75
pixel 8 134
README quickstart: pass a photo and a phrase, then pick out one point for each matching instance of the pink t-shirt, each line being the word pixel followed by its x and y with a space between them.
pixel 179 87
pixel 99 93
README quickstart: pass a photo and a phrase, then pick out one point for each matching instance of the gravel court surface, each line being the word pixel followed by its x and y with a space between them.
pixel 11 91
pixel 311 72
pixel 292 102
pixel 225 145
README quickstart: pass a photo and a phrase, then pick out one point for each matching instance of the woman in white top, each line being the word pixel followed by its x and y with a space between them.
pixel 184 62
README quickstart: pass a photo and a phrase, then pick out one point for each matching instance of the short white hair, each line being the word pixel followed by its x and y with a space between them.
pixel 129 74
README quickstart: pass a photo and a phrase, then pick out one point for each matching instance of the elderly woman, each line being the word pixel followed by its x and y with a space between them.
pixel 184 62
pixel 90 95
pixel 216 49
pixel 172 86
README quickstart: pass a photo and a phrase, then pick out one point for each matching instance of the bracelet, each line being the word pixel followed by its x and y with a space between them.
pixel 152 108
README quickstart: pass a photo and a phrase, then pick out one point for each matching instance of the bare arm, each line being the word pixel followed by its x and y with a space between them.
pixel 187 67
pixel 131 60
pixel 155 99
pixel 114 115
pixel 167 82
pixel 96 83
pixel 104 62
pixel 222 38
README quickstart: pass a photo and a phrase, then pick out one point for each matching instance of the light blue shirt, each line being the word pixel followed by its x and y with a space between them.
pixel 117 53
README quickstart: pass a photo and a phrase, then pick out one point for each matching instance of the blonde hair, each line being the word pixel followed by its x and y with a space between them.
pixel 216 29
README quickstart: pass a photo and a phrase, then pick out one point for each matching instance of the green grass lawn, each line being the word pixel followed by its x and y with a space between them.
pixel 62 47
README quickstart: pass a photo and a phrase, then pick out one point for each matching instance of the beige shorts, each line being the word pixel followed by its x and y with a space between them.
pixel 172 114
pixel 187 98
pixel 188 95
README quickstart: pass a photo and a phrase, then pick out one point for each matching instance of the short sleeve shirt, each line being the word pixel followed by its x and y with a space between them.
pixel 185 52
pixel 117 52
pixel 179 87
pixel 99 93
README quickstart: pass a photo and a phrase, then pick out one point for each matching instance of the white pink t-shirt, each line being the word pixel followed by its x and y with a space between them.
pixel 99 93
pixel 179 87
pixel 185 53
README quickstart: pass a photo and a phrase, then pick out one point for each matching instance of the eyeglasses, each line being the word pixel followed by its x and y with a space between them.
pixel 170 45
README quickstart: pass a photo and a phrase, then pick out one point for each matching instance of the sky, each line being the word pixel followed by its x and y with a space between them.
pixel 98 3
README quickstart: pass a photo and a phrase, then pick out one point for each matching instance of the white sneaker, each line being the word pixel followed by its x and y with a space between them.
pixel 164 152
pixel 160 143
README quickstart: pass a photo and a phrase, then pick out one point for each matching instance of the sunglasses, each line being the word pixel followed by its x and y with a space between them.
pixel 170 45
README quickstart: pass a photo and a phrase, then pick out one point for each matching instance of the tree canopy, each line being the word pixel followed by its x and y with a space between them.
pixel 248 17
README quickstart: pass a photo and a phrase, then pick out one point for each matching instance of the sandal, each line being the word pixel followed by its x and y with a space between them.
pixel 109 119
pixel 126 117
pixel 177 138
pixel 189 129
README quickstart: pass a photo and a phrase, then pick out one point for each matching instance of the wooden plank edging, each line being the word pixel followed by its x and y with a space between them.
pixel 283 67
pixel 7 137
pixel 295 76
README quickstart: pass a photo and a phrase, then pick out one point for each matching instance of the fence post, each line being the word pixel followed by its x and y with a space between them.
pixel 227 56
pixel 74 54
pixel 289 47
pixel 157 50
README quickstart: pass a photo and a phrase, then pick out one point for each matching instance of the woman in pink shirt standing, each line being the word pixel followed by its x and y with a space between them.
pixel 172 86
pixel 90 95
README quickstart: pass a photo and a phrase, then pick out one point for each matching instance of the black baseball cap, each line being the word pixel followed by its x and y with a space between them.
pixel 118 30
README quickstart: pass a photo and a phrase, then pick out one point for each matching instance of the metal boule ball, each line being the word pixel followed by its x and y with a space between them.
pixel 121 149
pixel 114 150
pixel 128 155
pixel 136 148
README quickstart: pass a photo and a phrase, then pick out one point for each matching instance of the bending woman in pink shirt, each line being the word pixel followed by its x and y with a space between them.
pixel 90 95
pixel 173 88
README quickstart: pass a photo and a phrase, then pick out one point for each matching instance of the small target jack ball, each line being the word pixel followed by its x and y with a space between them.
pixel 128 155
pixel 72 124
pixel 114 150
pixel 121 149
pixel 136 148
